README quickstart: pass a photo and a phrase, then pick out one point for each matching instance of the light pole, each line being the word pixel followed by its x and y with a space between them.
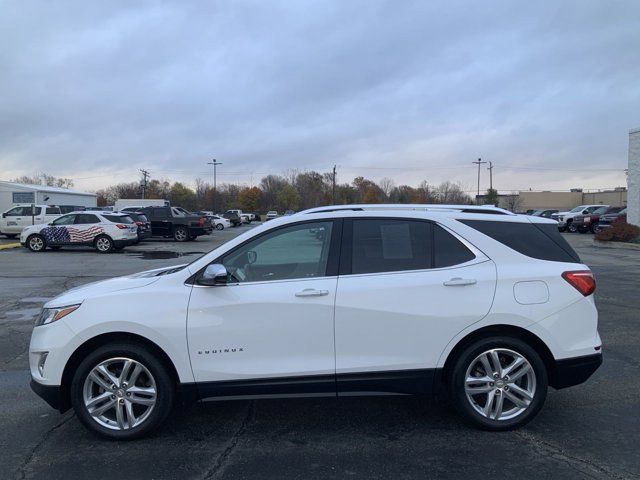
pixel 215 163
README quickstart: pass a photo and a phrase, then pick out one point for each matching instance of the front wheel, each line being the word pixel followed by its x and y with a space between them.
pixel 36 243
pixel 122 391
pixel 498 383
pixel 571 227
pixel 219 226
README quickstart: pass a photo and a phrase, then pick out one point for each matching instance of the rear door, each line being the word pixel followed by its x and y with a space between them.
pixel 85 229
pixel 406 287
pixel 160 219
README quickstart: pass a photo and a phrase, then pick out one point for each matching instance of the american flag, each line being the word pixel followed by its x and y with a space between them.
pixel 70 234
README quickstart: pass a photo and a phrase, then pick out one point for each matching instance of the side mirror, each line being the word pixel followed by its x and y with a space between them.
pixel 585 211
pixel 214 274
pixel 4 215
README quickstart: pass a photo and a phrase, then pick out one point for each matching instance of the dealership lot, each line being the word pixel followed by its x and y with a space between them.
pixel 584 432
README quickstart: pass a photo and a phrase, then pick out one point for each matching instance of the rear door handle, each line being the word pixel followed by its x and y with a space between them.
pixel 460 282
pixel 312 292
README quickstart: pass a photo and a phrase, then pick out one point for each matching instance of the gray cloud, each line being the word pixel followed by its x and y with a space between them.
pixel 98 90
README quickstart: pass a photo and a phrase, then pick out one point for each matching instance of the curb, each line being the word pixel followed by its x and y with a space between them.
pixel 618 245
pixel 6 246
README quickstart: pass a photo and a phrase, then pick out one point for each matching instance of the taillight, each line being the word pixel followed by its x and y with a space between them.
pixel 581 280
pixel 140 224
pixel 121 226
pixel 202 220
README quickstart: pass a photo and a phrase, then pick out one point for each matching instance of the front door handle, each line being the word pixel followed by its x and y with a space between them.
pixel 460 282
pixel 312 292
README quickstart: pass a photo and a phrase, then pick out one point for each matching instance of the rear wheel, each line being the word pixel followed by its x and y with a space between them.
pixel 122 391
pixel 180 234
pixel 594 227
pixel 498 383
pixel 36 243
pixel 103 244
pixel 219 226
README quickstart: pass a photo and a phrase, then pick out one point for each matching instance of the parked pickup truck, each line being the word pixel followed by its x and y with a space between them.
pixel 17 218
pixel 245 217
pixel 168 222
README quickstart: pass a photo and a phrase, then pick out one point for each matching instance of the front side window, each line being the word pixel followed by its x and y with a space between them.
pixel 390 245
pixel 65 220
pixel 299 251
pixel 16 212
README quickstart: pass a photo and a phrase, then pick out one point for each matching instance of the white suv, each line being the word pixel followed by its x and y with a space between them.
pixel 105 231
pixel 565 219
pixel 484 306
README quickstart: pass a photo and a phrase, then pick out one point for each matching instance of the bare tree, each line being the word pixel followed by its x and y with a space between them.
pixel 386 185
pixel 512 202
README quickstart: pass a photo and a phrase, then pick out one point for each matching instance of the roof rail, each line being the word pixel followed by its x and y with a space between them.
pixel 420 207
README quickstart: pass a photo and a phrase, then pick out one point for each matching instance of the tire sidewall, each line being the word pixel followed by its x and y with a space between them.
pixel 164 385
pixel 457 377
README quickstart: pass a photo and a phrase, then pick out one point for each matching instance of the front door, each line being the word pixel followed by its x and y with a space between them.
pixel 56 233
pixel 270 329
pixel 408 288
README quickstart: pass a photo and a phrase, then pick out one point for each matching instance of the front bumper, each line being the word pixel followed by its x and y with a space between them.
pixel 52 394
pixel 573 371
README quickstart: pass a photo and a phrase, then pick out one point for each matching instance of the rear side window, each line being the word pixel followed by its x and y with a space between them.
pixel 118 218
pixel 52 211
pixel 390 245
pixel 448 250
pixel 536 240
pixel 86 219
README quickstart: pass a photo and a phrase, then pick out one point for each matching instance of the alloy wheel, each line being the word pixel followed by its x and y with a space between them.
pixel 181 235
pixel 119 393
pixel 103 244
pixel 500 384
pixel 36 243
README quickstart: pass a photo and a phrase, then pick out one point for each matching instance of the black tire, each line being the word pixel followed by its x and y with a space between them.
pixel 464 360
pixel 594 227
pixel 165 389
pixel 36 243
pixel 219 226
pixel 103 244
pixel 571 227
pixel 180 234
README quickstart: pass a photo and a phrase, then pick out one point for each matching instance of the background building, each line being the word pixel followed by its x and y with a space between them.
pixel 633 178
pixel 528 200
pixel 15 193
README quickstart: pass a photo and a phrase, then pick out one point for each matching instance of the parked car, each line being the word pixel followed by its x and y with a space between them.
pixel 288 212
pixel 103 231
pixel 170 222
pixel 15 219
pixel 608 218
pixel 220 222
pixel 271 214
pixel 589 222
pixel 544 213
pixel 565 219
pixel 233 217
pixel 256 217
pixel 143 223
pixel 492 309
pixel 245 217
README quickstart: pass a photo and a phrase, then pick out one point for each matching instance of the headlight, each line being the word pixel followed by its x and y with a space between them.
pixel 50 315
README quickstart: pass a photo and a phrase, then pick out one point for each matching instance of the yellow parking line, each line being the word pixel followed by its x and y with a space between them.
pixel 9 245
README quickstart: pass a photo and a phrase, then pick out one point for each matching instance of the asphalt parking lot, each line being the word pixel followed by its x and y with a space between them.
pixel 589 431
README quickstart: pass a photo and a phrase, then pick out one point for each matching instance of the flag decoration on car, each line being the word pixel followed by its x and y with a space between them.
pixel 70 234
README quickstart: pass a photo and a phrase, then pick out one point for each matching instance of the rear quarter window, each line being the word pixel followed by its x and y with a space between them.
pixel 536 240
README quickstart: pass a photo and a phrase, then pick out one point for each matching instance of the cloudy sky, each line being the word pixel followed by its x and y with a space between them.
pixel 409 90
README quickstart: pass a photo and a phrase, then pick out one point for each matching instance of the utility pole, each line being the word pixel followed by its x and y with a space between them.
pixel 143 183
pixel 490 168
pixel 478 162
pixel 215 163
pixel 333 186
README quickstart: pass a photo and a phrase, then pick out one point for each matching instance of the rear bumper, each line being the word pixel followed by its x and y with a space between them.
pixel 52 394
pixel 573 371
pixel 142 234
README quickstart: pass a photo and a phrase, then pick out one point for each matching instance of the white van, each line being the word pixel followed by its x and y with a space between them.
pixel 21 216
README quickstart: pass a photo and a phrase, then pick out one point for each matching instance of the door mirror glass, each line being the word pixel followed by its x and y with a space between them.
pixel 214 274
